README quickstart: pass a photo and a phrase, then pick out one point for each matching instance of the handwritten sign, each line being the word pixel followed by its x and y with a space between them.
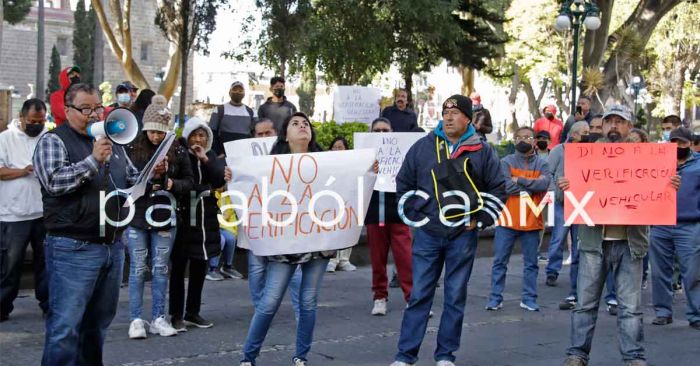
pixel 250 147
pixel 391 150
pixel 356 104
pixel 299 203
pixel 627 184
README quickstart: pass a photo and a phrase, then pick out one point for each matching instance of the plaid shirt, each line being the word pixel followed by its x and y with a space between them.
pixel 58 176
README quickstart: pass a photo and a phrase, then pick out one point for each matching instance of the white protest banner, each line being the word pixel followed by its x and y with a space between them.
pixel 391 150
pixel 299 203
pixel 250 147
pixel 139 188
pixel 356 104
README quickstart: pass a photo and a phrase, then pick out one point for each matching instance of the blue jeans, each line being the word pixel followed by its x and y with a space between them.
pixel 430 254
pixel 555 253
pixel 277 280
pixel 159 244
pixel 228 250
pixel 627 274
pixel 257 266
pixel 503 243
pixel 666 242
pixel 84 283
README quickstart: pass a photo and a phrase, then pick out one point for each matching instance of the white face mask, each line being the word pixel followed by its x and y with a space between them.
pixel 123 98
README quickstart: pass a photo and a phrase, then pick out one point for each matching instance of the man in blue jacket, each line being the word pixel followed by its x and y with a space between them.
pixel 403 118
pixel 437 241
pixel 680 239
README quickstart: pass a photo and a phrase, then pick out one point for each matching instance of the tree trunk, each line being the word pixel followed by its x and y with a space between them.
pixel 642 21
pixel 678 82
pixel 121 52
pixel 408 85
pixel 39 87
pixel 512 98
pixel 307 91
pixel 532 102
pixel 467 80
pixel 596 42
pixel 98 56
pixel 169 84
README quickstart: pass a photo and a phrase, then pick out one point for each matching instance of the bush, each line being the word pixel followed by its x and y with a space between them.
pixel 328 131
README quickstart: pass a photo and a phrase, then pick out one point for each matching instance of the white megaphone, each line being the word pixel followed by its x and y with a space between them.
pixel 120 127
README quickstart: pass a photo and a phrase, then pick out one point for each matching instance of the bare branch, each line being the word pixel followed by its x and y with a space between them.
pixel 106 29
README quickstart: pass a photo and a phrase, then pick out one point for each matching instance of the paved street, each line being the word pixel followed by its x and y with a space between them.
pixel 347 335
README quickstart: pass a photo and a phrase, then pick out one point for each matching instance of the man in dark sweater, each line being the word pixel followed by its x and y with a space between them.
pixel 277 108
pixel 403 119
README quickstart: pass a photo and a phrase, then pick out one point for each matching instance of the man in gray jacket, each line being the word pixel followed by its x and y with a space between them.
pixel 619 249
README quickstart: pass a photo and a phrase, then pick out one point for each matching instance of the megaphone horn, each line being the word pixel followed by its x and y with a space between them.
pixel 121 127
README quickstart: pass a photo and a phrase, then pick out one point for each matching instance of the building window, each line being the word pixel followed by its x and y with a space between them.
pixel 62 45
pixel 145 51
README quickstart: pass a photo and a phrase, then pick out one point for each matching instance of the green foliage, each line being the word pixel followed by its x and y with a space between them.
pixel 16 12
pixel 54 70
pixel 328 131
pixel 84 40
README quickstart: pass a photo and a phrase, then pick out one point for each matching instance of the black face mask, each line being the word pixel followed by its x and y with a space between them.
pixel 682 152
pixel 236 97
pixel 614 136
pixel 542 145
pixel 549 116
pixel 75 79
pixel 279 93
pixel 585 138
pixel 523 147
pixel 33 130
pixel 594 136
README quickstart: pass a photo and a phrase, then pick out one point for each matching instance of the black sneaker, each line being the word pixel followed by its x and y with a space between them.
pixel 4 317
pixel 662 320
pixel 551 281
pixel 569 303
pixel 178 324
pixel 394 283
pixel 695 325
pixel 229 272
pixel 612 308
pixel 197 321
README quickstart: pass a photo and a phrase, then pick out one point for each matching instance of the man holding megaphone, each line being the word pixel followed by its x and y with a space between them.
pixel 83 260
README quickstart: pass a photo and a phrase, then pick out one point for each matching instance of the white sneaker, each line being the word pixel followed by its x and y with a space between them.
pixel 346 267
pixel 162 327
pixel 379 307
pixel 246 363
pixel 137 329
pixel 445 363
pixel 330 267
pixel 399 363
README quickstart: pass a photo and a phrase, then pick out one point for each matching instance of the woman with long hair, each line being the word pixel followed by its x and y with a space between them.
pixel 154 232
pixel 297 136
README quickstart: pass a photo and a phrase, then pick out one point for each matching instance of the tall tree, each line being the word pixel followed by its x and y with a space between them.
pixel 14 11
pixel 54 70
pixel 187 23
pixel 84 40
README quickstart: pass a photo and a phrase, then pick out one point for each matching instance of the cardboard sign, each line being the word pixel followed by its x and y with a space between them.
pixel 250 147
pixel 356 104
pixel 299 203
pixel 391 150
pixel 621 184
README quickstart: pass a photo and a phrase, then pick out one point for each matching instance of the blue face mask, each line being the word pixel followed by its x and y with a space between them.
pixel 666 135
pixel 123 98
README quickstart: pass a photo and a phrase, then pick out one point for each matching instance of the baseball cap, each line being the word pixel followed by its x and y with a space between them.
pixel 681 133
pixel 129 85
pixel 543 134
pixel 237 83
pixel 618 110
pixel 75 68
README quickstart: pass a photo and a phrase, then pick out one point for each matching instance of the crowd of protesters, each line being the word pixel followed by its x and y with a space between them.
pixel 52 181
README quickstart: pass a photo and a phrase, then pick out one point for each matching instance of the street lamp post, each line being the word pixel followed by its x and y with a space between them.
pixel 574 13
pixel 637 88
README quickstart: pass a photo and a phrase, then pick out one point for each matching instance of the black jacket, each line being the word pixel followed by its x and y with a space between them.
pixel 198 236
pixel 180 172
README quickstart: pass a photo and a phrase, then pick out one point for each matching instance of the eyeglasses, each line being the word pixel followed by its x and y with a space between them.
pixel 86 111
pixel 526 138
pixel 381 130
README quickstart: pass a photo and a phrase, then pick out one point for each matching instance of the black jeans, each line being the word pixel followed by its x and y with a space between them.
pixel 14 238
pixel 198 270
